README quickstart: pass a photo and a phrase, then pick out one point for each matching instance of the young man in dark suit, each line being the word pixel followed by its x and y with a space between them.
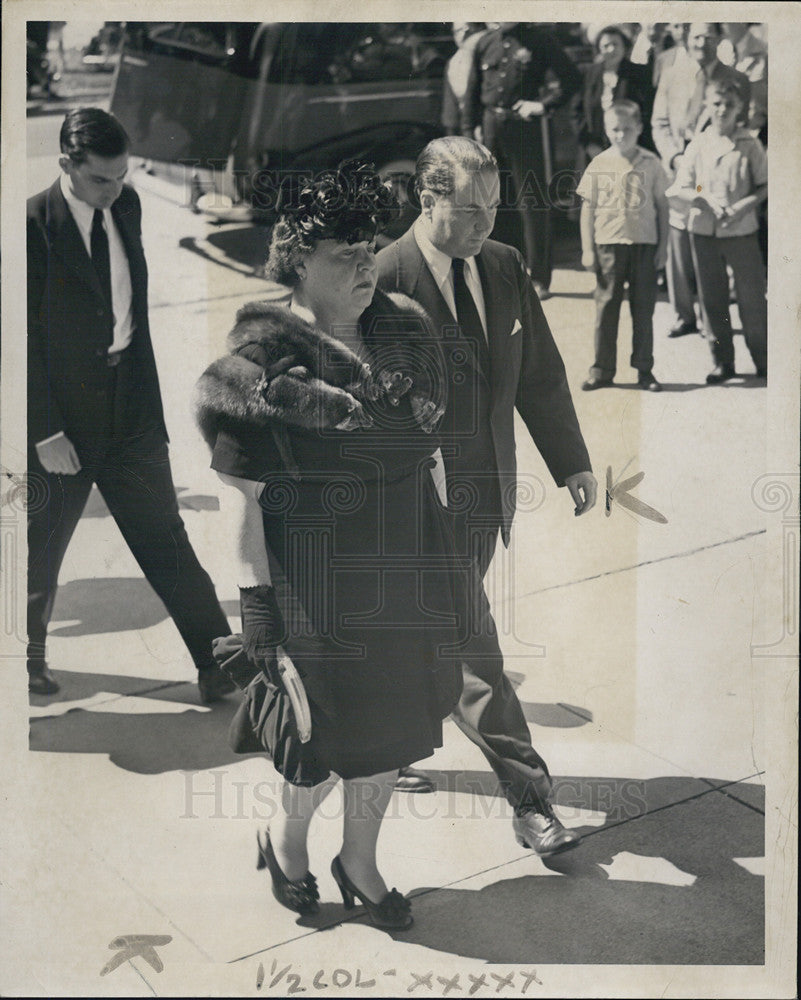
pixel 500 356
pixel 94 405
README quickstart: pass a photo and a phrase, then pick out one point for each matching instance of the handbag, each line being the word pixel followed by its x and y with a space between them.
pixel 273 716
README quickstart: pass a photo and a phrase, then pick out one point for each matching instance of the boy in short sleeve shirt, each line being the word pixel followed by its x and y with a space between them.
pixel 624 226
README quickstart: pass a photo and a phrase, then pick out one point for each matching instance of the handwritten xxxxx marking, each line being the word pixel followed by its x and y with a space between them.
pixel 135 946
pixel 617 492
pixel 292 982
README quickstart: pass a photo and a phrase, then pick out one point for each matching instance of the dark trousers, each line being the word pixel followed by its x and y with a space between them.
pixel 525 217
pixel 134 478
pixel 616 264
pixel 489 711
pixel 711 255
pixel 681 281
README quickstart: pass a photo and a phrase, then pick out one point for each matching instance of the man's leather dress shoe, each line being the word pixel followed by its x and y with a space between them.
pixel 646 380
pixel 593 382
pixel 720 373
pixel 543 833
pixel 41 680
pixel 682 327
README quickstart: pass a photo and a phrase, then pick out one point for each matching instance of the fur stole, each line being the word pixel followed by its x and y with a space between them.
pixel 280 370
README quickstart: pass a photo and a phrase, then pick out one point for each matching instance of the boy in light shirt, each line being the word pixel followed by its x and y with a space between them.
pixel 624 227
pixel 724 177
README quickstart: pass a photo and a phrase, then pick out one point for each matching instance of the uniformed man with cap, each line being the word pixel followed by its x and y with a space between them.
pixel 511 99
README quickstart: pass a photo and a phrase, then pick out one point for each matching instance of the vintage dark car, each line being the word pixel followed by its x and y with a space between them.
pixel 257 100
pixel 240 104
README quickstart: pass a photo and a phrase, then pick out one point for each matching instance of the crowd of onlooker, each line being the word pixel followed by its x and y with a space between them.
pixel 692 100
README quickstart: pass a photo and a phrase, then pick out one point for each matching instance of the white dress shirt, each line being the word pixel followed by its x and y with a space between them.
pixel 441 267
pixel 121 289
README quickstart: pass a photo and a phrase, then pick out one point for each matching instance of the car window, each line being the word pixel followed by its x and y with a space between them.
pixel 389 52
pixel 225 45
pixel 315 54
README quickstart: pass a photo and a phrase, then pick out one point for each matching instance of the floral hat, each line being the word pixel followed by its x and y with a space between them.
pixel 350 203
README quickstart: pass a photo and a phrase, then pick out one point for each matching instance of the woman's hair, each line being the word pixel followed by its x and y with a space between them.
pixel 613 29
pixel 348 204
pixel 91 130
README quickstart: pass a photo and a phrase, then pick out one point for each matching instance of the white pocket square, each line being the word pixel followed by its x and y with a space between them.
pixel 518 326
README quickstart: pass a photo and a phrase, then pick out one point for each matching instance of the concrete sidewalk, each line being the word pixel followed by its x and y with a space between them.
pixel 630 643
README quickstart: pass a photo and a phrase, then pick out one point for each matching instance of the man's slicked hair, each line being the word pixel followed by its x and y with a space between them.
pixel 437 164
pixel 91 130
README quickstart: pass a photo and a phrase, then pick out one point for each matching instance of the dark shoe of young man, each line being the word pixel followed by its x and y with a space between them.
pixel 647 381
pixel 213 684
pixel 411 780
pixel 720 373
pixel 682 327
pixel 543 833
pixel 593 382
pixel 41 680
pixel 542 291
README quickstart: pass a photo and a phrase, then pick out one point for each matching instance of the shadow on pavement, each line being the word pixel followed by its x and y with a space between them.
pixel 666 386
pixel 559 716
pixel 244 245
pixel 657 883
pixel 106 604
pixel 660 888
pixel 140 742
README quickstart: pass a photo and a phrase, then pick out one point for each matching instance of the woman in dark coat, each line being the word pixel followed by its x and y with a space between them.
pixel 612 78
pixel 322 420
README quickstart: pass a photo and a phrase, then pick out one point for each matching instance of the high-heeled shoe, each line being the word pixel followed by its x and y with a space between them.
pixel 394 910
pixel 301 895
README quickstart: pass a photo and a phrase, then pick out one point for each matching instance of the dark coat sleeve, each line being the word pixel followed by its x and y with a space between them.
pixel 565 71
pixel 44 416
pixel 543 397
pixel 471 109
pixel 583 105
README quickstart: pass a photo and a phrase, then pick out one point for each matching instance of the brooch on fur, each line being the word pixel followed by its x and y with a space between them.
pixel 281 370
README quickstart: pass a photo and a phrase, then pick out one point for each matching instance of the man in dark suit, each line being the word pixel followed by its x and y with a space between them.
pixel 500 356
pixel 94 406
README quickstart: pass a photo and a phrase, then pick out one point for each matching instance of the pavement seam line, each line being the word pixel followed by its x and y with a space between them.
pixel 194 302
pixel 109 701
pixel 670 805
pixel 512 861
pixel 138 892
pixel 647 562
pixel 130 962
pixel 729 795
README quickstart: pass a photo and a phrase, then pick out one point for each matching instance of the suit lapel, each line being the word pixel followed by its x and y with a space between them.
pixel 414 273
pixel 498 299
pixel 66 241
pixel 128 230
pixel 416 280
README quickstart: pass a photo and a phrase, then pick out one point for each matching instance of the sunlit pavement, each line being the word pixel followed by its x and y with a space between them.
pixel 631 645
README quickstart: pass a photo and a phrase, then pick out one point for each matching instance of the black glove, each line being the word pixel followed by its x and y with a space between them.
pixel 231 659
pixel 262 628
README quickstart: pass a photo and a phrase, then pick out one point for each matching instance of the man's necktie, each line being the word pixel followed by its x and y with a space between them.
pixel 468 317
pixel 101 257
pixel 697 118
